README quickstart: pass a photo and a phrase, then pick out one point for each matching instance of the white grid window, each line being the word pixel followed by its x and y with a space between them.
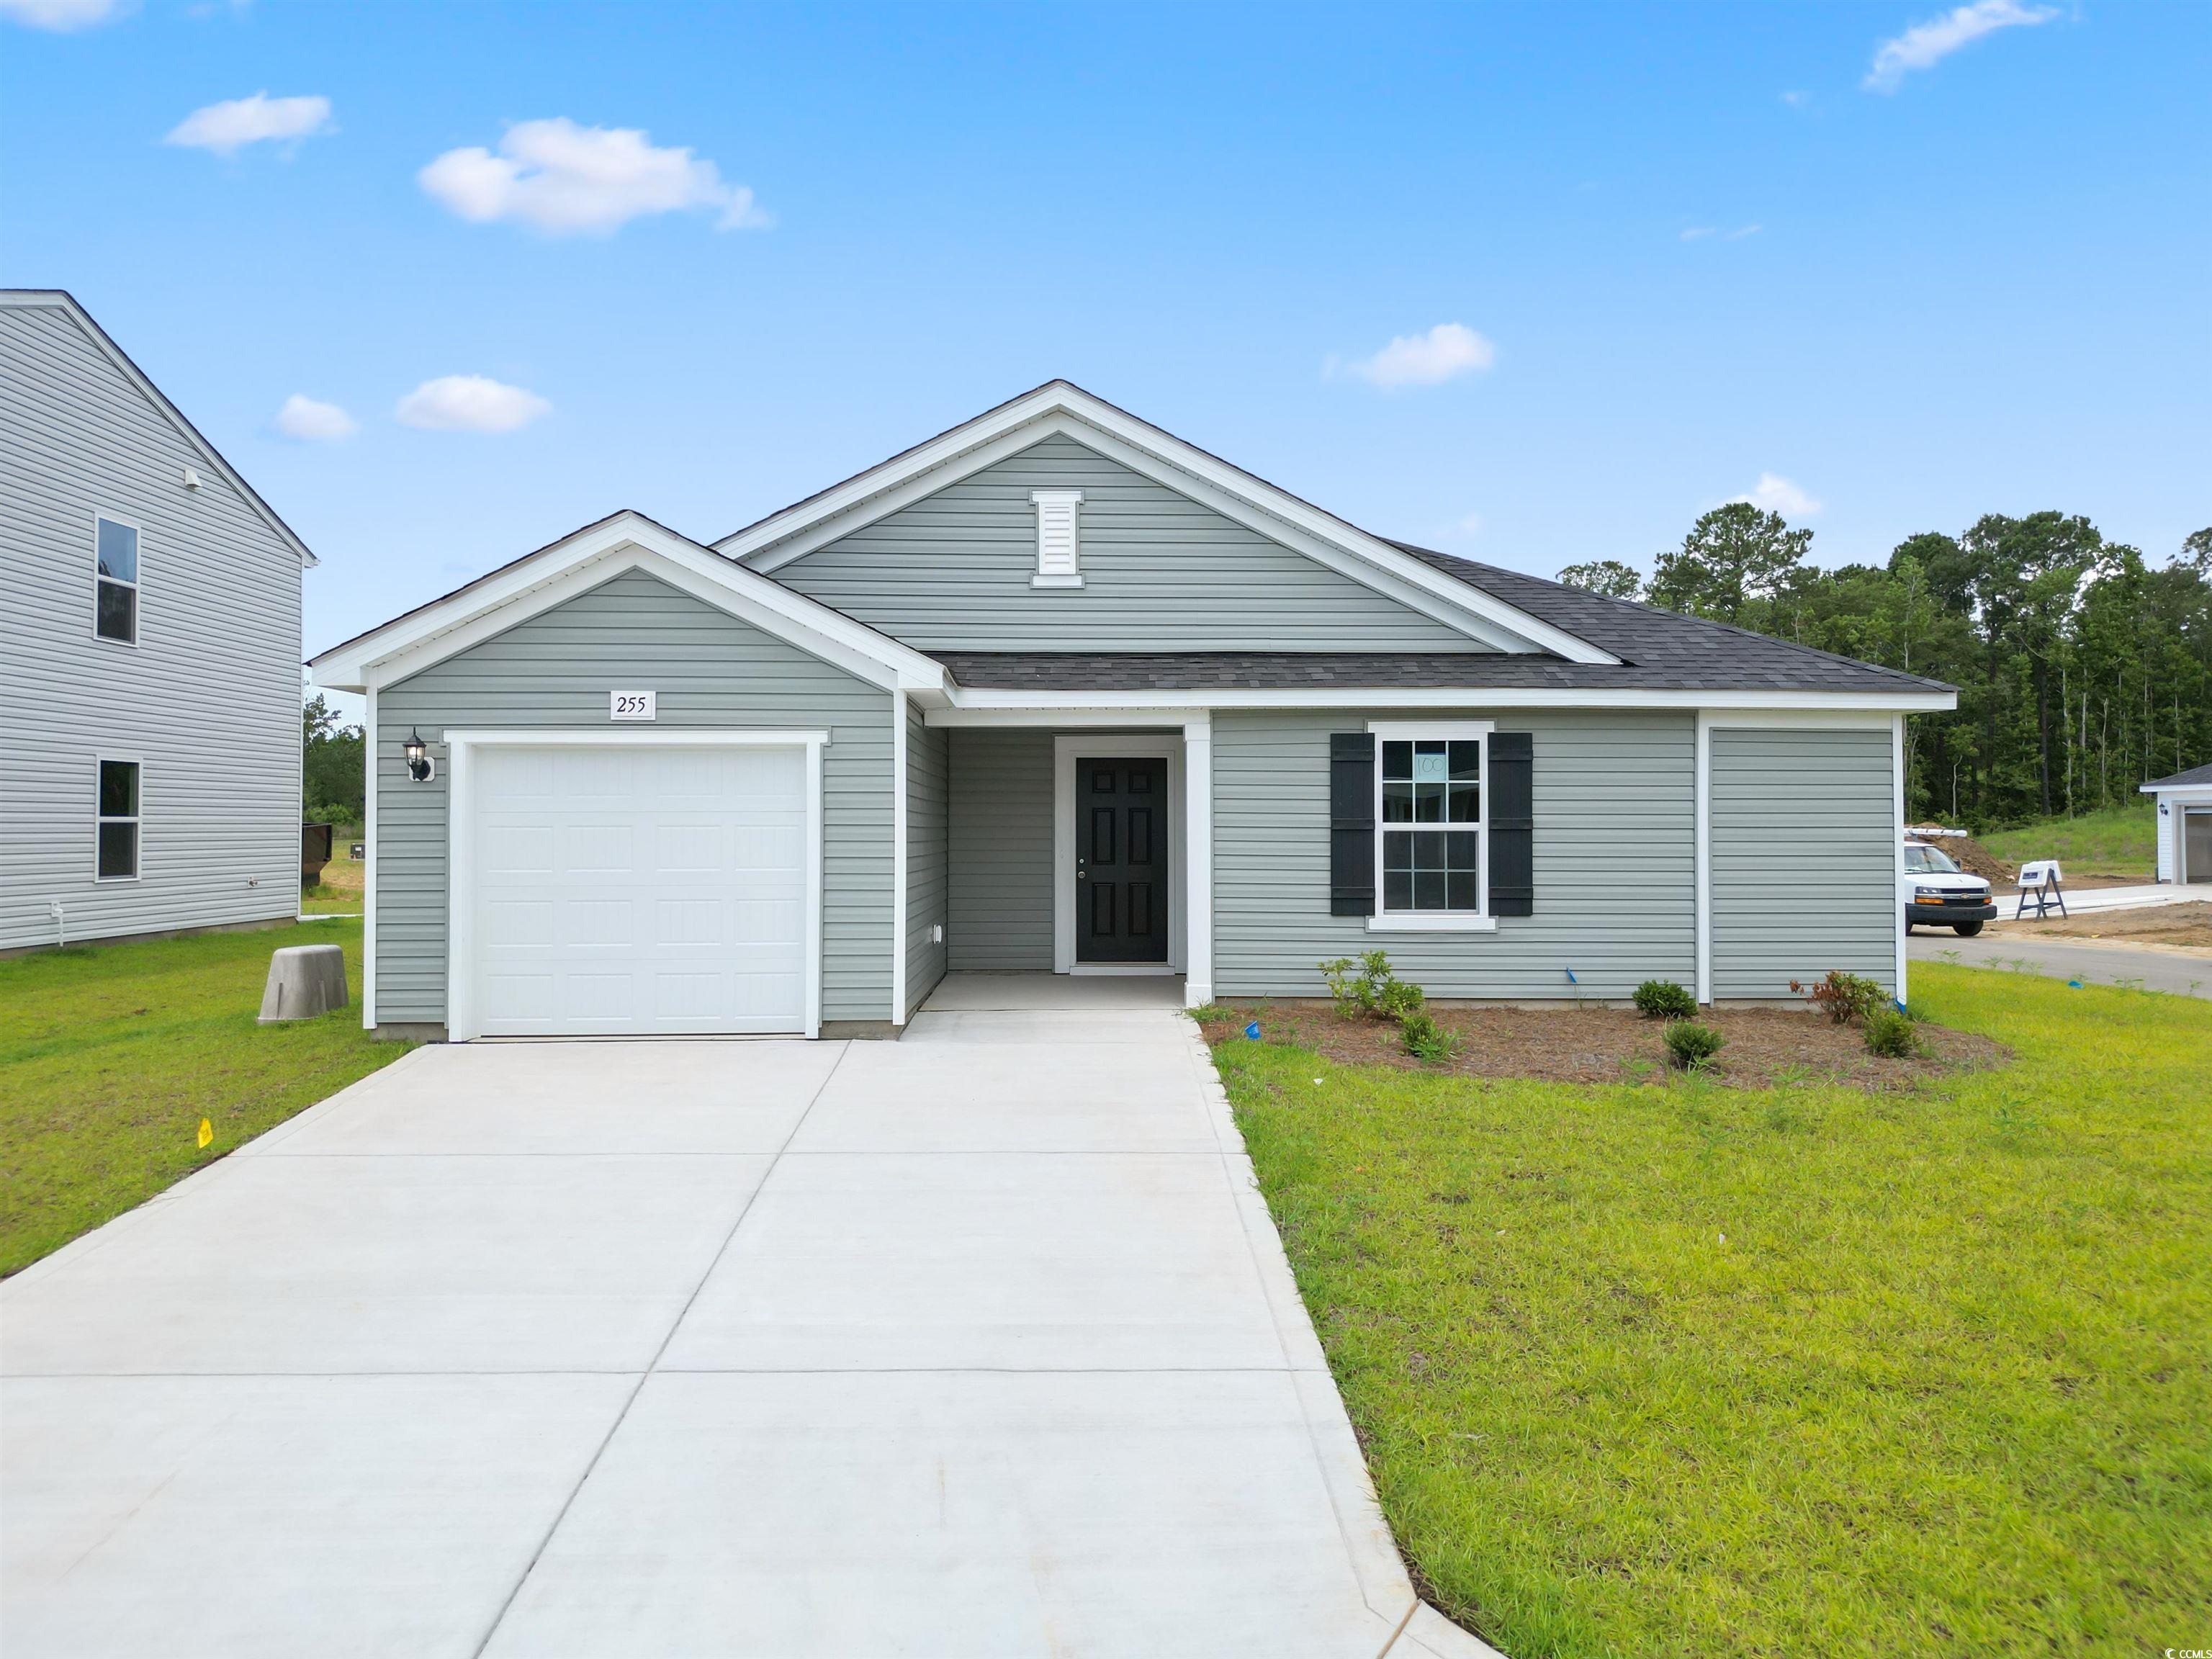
pixel 1431 852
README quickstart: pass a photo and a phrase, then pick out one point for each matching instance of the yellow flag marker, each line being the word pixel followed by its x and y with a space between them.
pixel 207 1131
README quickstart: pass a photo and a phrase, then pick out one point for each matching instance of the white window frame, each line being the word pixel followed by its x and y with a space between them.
pixel 1051 573
pixel 1478 920
pixel 136 583
pixel 137 820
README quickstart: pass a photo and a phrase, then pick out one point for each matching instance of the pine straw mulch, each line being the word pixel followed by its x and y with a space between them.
pixel 1765 1046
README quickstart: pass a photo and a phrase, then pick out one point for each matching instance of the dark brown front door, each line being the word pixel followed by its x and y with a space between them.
pixel 1122 860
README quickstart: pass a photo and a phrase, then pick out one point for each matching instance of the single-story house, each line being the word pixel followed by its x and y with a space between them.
pixel 1058 691
pixel 2184 825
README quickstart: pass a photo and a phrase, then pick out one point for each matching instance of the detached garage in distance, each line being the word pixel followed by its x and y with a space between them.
pixel 2185 825
pixel 1056 692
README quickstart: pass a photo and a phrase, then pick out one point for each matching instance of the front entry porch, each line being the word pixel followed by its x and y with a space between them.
pixel 1046 992
pixel 1076 852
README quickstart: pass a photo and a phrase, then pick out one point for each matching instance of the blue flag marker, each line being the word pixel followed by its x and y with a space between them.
pixel 2073 984
pixel 1571 979
pixel 1252 1031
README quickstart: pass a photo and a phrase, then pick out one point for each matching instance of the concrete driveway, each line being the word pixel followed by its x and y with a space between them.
pixel 977 1343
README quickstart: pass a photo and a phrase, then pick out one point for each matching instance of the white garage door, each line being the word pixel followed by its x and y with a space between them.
pixel 634 890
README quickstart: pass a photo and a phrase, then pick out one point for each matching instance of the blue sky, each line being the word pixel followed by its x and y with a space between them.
pixel 1672 252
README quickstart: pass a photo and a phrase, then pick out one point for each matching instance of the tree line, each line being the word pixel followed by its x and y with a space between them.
pixel 2083 671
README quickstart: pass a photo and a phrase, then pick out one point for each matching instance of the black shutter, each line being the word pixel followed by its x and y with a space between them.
pixel 1350 823
pixel 1512 824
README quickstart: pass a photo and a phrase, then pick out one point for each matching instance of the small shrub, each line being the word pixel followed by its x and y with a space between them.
pixel 1691 1046
pixel 1844 998
pixel 1891 1034
pixel 1425 1039
pixel 1400 1000
pixel 1364 987
pixel 1661 999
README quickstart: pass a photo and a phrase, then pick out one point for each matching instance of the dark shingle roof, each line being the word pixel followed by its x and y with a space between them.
pixel 1720 655
pixel 2194 774
pixel 1659 651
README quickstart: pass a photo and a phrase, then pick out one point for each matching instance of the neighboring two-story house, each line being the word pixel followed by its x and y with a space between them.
pixel 1058 691
pixel 149 643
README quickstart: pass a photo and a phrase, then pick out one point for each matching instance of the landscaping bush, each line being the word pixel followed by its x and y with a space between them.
pixel 1691 1046
pixel 1424 1039
pixel 1889 1033
pixel 1661 999
pixel 1360 985
pixel 1402 999
pixel 1844 998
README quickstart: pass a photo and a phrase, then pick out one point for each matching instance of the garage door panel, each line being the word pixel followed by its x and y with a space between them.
pixel 662 891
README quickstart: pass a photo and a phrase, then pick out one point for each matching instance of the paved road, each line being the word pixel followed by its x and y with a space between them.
pixel 2092 963
pixel 977 1343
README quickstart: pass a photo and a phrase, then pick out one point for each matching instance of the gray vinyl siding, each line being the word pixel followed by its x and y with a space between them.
pixel 927 781
pixel 209 699
pixel 1002 850
pixel 1615 862
pixel 710 670
pixel 1160 573
pixel 1804 875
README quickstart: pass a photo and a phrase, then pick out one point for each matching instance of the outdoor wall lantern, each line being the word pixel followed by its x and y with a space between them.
pixel 420 765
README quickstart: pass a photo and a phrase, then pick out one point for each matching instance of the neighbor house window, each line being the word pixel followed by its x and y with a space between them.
pixel 115 604
pixel 117 829
pixel 1428 819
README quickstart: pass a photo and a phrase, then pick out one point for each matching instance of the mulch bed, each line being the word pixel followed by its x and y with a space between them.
pixel 1766 1047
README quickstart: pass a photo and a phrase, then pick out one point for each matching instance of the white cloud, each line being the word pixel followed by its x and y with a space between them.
pixel 564 179
pixel 61 16
pixel 1445 353
pixel 1697 233
pixel 311 421
pixel 1925 45
pixel 1775 494
pixel 1796 100
pixel 1739 233
pixel 470 403
pixel 228 127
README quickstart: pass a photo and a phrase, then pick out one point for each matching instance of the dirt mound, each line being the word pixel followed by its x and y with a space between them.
pixel 1967 853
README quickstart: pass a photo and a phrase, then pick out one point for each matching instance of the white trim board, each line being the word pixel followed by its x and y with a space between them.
pixel 898 859
pixel 460 804
pixel 1060 408
pixel 598 554
pixel 969 706
pixel 1066 749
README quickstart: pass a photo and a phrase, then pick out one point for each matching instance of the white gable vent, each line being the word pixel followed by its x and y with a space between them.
pixel 1057 543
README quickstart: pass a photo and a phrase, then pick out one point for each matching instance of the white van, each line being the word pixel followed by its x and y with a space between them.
pixel 1937 893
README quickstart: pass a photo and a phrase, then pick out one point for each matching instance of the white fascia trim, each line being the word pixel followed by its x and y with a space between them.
pixel 970 707
pixel 56 300
pixel 898 858
pixel 369 884
pixel 461 743
pixel 1062 409
pixel 584 560
pixel 1703 787
pixel 1897 840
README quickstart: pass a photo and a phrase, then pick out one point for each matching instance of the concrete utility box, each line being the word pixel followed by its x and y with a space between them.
pixel 304 980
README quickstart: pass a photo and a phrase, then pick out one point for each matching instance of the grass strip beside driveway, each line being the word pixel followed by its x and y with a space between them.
pixel 1706 1371
pixel 110 1054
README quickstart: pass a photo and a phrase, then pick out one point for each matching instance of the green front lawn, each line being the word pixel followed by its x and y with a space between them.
pixel 110 1055
pixel 2120 840
pixel 1705 1371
